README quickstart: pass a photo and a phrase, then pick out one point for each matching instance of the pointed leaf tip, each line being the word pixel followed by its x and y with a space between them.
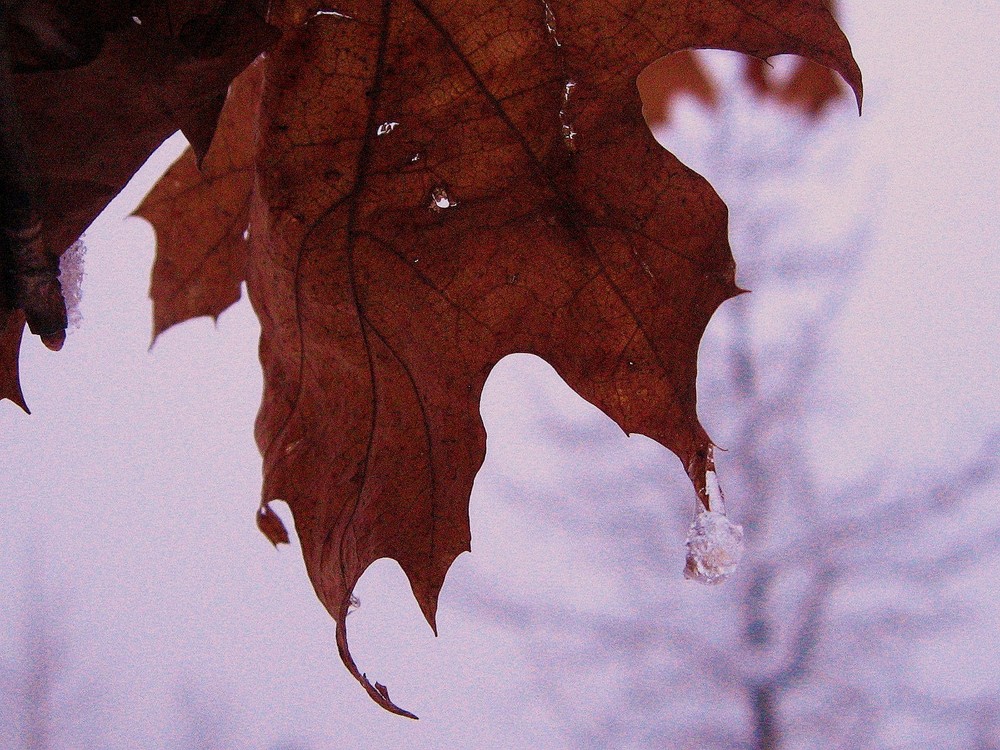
pixel 271 525
pixel 11 332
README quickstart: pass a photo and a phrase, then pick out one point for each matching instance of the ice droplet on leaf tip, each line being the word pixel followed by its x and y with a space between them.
pixel 714 547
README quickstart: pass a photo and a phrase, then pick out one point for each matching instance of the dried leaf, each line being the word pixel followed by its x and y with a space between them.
pixel 443 184
pixel 202 217
pixel 11 331
pixel 271 525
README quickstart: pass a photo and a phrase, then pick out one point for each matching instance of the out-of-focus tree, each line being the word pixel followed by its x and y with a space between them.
pixel 823 637
pixel 44 706
pixel 32 672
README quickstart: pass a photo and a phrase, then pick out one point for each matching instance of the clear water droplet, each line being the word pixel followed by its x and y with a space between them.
pixel 440 199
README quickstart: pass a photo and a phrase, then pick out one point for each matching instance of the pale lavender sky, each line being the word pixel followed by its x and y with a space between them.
pixel 133 484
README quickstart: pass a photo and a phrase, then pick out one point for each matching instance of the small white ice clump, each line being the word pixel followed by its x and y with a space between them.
pixel 714 548
pixel 71 279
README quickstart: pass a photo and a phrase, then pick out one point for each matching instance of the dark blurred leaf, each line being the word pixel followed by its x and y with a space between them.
pixel 669 79
pixel 92 126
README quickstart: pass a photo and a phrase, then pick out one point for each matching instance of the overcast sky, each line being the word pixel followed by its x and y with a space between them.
pixel 131 488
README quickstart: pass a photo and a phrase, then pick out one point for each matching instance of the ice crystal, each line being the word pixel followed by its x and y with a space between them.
pixel 714 547
pixel 71 280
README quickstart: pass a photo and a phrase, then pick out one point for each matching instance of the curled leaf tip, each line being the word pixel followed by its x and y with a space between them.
pixel 378 692
pixel 54 341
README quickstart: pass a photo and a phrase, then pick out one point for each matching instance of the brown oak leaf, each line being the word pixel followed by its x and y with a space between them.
pixel 440 184
pixel 428 186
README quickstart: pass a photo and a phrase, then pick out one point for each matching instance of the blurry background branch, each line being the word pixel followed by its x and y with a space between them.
pixel 819 640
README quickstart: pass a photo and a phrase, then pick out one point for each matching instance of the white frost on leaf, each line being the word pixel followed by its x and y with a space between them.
pixel 71 280
pixel 714 547
pixel 333 13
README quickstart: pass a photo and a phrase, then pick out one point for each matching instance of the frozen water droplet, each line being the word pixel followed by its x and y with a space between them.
pixel 386 127
pixel 440 199
pixel 332 12
pixel 71 279
pixel 714 547
pixel 716 500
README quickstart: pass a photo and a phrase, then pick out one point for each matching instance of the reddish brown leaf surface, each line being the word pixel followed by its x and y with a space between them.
pixel 271 526
pixel 11 331
pixel 442 184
